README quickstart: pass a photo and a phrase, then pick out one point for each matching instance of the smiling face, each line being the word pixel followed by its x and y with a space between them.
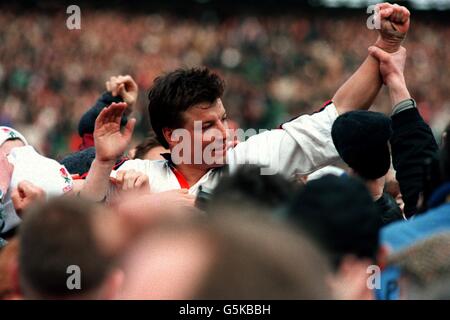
pixel 205 125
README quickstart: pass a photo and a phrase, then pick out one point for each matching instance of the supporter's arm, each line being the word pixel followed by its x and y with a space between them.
pixel 110 144
pixel 412 141
pixel 305 144
pixel 361 89
pixel 119 89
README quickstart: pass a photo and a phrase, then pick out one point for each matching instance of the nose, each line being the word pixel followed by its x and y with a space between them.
pixel 223 128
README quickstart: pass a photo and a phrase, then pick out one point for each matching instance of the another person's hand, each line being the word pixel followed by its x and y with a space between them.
pixel 394 24
pixel 131 180
pixel 125 87
pixel 25 195
pixel 391 68
pixel 110 142
pixel 392 65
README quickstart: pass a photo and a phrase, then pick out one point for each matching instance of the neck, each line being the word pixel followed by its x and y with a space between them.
pixel 192 173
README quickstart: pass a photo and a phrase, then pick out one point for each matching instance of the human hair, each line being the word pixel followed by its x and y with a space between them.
pixel 145 146
pixel 175 92
pixel 248 187
pixel 54 236
pixel 232 256
pixel 339 213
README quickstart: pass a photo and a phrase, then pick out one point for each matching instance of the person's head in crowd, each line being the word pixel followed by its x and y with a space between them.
pixel 392 187
pixel 423 266
pixel 149 149
pixel 79 162
pixel 224 256
pixel 339 213
pixel 9 139
pixel 247 187
pixel 362 141
pixel 59 240
pixel 8 271
pixel 190 99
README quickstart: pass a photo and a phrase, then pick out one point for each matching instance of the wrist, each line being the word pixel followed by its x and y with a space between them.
pixel 106 163
pixel 390 46
pixel 398 91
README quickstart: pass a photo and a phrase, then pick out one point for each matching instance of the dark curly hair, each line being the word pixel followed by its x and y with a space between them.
pixel 176 91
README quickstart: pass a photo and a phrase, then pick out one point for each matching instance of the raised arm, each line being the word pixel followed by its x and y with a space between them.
pixel 118 89
pixel 305 144
pixel 412 141
pixel 361 89
pixel 110 144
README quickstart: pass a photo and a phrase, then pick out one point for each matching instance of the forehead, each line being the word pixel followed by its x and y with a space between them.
pixel 9 144
pixel 205 111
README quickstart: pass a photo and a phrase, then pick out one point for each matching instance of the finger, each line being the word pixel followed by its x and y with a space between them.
pixel 120 176
pixel 129 128
pixel 130 179
pixel 15 195
pixel 111 115
pixel 108 86
pixel 114 84
pixel 117 111
pixel 142 180
pixel 378 53
pixel 186 191
pixel 121 89
pixel 130 83
pixel 26 187
pixel 101 118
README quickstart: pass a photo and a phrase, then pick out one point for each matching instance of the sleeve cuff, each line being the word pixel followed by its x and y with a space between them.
pixel 403 105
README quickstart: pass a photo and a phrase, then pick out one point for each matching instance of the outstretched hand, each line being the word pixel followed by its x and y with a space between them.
pixel 110 142
pixel 394 25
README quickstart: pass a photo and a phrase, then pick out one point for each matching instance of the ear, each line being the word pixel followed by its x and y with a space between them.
pixel 167 133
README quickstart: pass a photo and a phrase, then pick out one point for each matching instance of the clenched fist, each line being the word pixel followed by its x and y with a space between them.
pixel 394 23
pixel 25 195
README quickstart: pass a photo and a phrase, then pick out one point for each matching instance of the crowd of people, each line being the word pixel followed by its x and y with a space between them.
pixel 339 203
pixel 276 66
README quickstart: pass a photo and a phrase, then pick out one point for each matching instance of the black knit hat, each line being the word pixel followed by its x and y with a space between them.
pixel 79 162
pixel 361 139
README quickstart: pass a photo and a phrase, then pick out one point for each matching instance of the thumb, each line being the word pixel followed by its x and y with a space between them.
pixel 24 186
pixel 121 90
pixel 378 53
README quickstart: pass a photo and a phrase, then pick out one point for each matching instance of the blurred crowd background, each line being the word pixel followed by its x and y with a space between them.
pixel 277 64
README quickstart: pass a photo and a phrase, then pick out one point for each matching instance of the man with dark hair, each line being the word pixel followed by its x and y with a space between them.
pixel 338 212
pixel 58 238
pixel 190 119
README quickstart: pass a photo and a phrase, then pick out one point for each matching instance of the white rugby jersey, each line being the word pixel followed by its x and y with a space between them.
pixel 299 147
